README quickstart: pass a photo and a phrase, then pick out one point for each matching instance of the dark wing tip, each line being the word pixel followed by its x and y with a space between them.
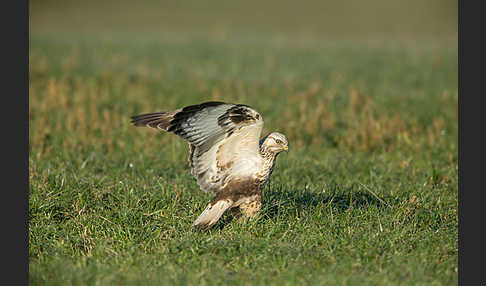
pixel 143 119
pixel 159 120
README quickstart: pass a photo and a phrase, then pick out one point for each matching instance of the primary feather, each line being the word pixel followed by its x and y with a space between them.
pixel 226 157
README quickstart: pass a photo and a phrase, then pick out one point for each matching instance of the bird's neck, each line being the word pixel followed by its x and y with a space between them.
pixel 268 160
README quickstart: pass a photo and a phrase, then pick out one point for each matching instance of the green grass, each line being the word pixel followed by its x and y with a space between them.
pixel 367 194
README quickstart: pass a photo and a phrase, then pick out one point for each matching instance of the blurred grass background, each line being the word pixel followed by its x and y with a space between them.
pixel 288 19
pixel 365 91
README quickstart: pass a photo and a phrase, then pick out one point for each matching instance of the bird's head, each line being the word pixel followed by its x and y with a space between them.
pixel 275 142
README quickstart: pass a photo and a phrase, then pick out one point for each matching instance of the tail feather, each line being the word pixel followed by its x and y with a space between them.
pixel 157 120
pixel 212 213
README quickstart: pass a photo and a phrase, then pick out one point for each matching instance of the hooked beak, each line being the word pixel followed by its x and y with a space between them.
pixel 286 149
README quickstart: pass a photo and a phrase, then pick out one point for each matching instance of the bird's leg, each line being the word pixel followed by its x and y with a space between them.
pixel 251 209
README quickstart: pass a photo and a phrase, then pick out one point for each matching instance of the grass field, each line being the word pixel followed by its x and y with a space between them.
pixel 367 194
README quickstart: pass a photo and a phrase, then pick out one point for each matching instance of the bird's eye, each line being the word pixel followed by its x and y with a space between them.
pixel 278 141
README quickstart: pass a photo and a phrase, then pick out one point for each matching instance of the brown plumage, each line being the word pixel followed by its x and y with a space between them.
pixel 227 157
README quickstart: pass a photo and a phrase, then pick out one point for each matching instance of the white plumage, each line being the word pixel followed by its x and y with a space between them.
pixel 227 156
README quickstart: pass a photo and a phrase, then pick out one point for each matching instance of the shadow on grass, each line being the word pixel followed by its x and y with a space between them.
pixel 298 200
pixel 276 201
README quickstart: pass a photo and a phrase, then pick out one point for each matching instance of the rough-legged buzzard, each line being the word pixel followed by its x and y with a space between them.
pixel 227 156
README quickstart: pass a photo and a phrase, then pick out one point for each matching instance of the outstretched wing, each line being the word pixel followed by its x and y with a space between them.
pixel 223 138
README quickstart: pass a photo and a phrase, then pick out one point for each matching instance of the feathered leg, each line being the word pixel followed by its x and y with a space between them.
pixel 252 208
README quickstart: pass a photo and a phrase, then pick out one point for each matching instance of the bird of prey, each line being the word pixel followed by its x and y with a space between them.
pixel 227 156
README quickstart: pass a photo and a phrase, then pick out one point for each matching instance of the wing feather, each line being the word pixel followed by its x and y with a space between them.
pixel 223 137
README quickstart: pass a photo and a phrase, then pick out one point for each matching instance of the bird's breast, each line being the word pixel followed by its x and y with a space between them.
pixel 248 166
